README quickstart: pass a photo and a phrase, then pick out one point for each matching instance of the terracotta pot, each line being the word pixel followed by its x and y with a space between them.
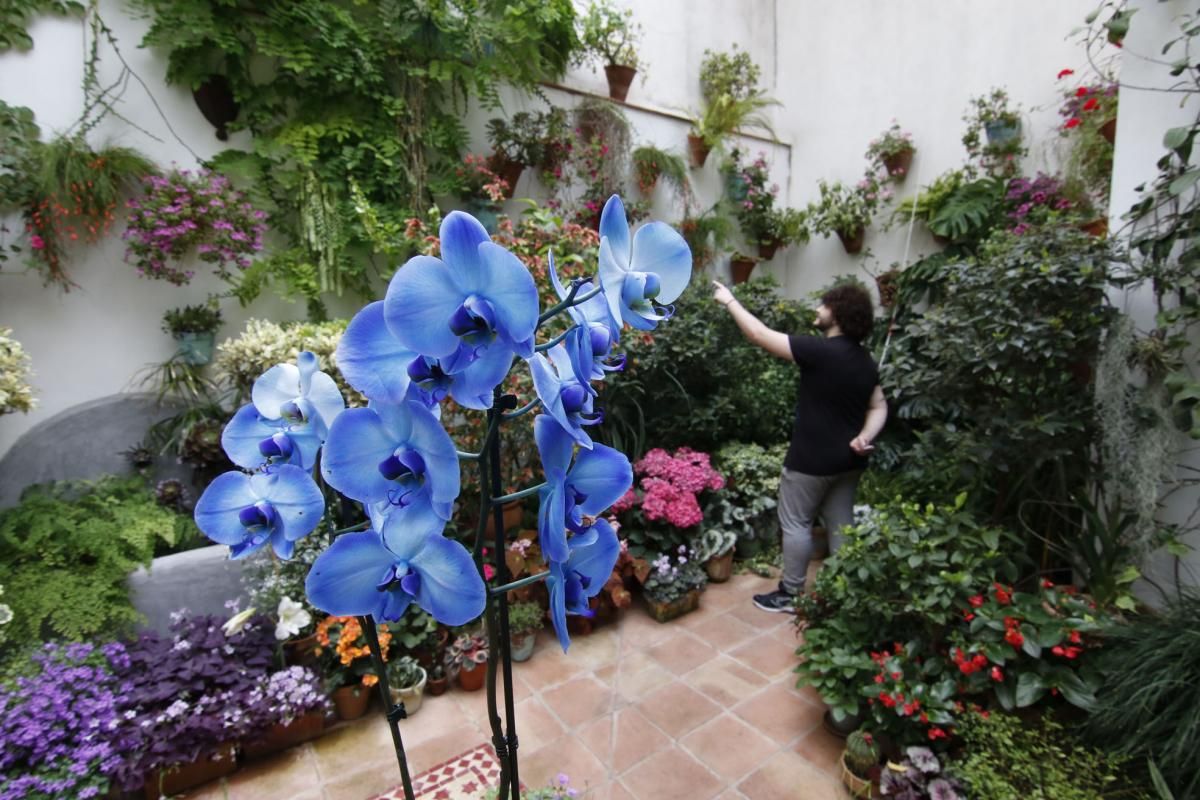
pixel 578 625
pixel 888 287
pixel 719 568
pixel 853 242
pixel 181 777
pixel 521 646
pixel 667 611
pixel 767 250
pixel 698 150
pixel 1097 227
pixel 471 680
pixel 437 686
pixel 351 701
pixel 1109 131
pixel 619 79
pixel 858 787
pixel 897 165
pixel 740 269
pixel 301 652
pixel 281 737
pixel 510 172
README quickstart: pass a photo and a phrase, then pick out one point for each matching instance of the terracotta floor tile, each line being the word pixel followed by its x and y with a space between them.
pixel 725 681
pixel 724 632
pixel 291 773
pixel 764 621
pixel 779 714
pixel 682 653
pixel 634 739
pixel 437 717
pixel 580 700
pixel 617 791
pixel 441 749
pixel 348 749
pixel 771 654
pixel 671 775
pixel 536 725
pixel 787 776
pixel 822 748
pixel 639 630
pixel 635 676
pixel 362 784
pixel 568 756
pixel 596 649
pixel 549 667
pixel 677 709
pixel 729 747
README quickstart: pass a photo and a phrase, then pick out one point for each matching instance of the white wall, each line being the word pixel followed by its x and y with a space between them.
pixel 842 71
pixel 1145 116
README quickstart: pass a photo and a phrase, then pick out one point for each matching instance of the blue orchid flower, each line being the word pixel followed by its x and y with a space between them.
pixel 282 506
pixel 299 393
pixel 457 307
pixel 574 494
pixel 596 334
pixel 250 440
pixel 564 396
pixel 381 574
pixel 581 578
pixel 375 363
pixel 639 277
pixel 398 454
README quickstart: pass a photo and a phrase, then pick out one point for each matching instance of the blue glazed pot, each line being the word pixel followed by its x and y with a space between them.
pixel 999 132
pixel 195 348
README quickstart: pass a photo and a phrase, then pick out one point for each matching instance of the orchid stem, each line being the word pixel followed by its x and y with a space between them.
pixel 465 456
pixel 569 301
pixel 520 583
pixel 362 526
pixel 525 409
pixel 508 498
pixel 547 345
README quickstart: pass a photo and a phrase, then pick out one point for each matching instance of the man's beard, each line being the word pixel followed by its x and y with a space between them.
pixel 823 324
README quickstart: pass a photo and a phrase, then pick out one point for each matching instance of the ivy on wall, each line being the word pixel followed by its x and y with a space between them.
pixel 15 16
pixel 371 92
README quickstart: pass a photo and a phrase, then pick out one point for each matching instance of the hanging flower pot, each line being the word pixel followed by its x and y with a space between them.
pixel 888 285
pixel 1001 131
pixel 853 241
pixel 767 250
pixel 195 348
pixel 1097 227
pixel 351 701
pixel 510 172
pixel 897 164
pixel 740 268
pixel 1109 131
pixel 215 100
pixel 619 79
pixel 698 150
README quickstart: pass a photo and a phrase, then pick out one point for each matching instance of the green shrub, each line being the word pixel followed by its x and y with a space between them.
pixel 1149 705
pixel 1006 759
pixel 66 550
pixel 699 383
pixel 747 505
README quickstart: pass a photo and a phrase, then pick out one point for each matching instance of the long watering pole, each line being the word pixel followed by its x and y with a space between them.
pixel 912 219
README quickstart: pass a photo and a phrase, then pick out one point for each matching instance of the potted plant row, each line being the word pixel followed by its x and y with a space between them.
pixel 291 707
pixel 345 660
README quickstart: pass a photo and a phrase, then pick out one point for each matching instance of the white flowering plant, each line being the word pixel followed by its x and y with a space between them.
pixel 15 391
pixel 674 575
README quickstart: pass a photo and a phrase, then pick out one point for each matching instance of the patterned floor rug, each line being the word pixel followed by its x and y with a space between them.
pixel 465 777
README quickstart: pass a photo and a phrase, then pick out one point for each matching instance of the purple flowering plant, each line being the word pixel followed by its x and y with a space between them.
pixel 187 211
pixel 189 692
pixel 60 729
pixel 284 696
pixel 1034 202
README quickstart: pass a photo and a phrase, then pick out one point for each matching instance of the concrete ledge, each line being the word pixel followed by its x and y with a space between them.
pixel 200 581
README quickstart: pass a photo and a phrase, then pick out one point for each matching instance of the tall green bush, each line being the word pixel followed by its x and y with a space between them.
pixel 699 383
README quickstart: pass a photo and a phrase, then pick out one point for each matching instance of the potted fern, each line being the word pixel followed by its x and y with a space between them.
pixel 650 164
pixel 732 101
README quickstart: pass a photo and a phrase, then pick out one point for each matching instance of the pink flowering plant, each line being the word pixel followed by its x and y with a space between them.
pixel 673 575
pixel 889 144
pixel 188 212
pixel 663 511
pixel 1031 203
pixel 477 180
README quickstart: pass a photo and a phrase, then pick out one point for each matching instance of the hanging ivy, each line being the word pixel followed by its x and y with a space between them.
pixel 371 92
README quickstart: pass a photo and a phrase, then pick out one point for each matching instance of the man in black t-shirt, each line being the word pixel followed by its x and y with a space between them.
pixel 840 409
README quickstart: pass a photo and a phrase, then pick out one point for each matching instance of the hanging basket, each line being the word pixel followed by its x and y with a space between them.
pixel 767 250
pixel 897 164
pixel 740 269
pixel 619 80
pixel 853 241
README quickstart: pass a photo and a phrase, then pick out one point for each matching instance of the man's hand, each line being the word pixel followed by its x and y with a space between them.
pixel 722 294
pixel 861 445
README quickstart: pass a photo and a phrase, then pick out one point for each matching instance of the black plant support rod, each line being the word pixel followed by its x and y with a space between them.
pixel 396 711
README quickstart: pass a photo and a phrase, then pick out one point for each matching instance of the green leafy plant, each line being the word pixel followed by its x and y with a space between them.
pixel 734 74
pixel 843 210
pixel 404 673
pixel 674 575
pixel 651 163
pixel 970 212
pixel 747 506
pixel 204 318
pixel 527 137
pixel 240 360
pixel 15 392
pixel 706 233
pixel 15 16
pixel 1148 705
pixel 990 139
pixel 609 35
pixel 66 550
pixel 18 163
pixel 1006 756
pixel 732 99
pixel 525 617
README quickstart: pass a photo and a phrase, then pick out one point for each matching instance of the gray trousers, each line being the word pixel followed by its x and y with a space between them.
pixel 801 498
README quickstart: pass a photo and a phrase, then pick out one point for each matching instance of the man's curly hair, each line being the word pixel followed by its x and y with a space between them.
pixel 852 310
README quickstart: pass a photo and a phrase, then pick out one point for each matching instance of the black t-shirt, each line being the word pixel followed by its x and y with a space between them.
pixel 837 378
